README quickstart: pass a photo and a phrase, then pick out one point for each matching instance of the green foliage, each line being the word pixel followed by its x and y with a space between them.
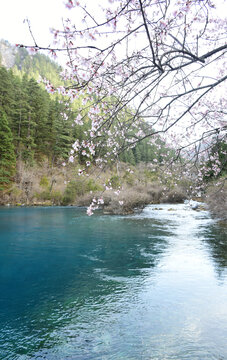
pixel 115 181
pixel 151 175
pixel 129 178
pixel 44 195
pixel 61 137
pixel 36 66
pixel 71 192
pixel 56 197
pixel 91 185
pixel 41 125
pixel 6 92
pixel 15 193
pixel 7 155
pixel 44 182
pixel 216 166
pixel 77 188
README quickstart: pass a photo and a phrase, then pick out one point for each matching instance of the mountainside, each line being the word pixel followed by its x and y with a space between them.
pixel 7 54
pixel 37 130
pixel 36 65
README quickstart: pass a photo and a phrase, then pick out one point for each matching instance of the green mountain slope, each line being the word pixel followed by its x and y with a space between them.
pixel 34 66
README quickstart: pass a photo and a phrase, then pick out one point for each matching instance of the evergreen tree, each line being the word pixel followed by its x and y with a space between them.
pixel 40 110
pixel 130 157
pixel 7 155
pixel 6 92
pixel 27 120
pixel 20 109
pixel 61 131
pixel 137 154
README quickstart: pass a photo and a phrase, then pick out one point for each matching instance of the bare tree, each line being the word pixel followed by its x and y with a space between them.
pixel 145 68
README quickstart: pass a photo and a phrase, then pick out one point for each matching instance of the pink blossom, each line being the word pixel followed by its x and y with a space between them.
pixel 89 211
pixel 100 201
pixel 69 4
pixel 78 120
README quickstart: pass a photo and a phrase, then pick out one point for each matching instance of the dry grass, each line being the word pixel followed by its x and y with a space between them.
pixel 30 188
pixel 174 197
pixel 217 201
pixel 132 198
pixel 44 185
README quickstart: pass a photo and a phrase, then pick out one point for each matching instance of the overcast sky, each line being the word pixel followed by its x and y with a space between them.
pixel 43 14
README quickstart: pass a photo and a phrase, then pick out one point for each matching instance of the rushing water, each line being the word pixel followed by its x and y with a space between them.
pixel 149 286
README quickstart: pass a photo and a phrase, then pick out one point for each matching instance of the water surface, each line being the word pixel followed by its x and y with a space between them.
pixel 148 286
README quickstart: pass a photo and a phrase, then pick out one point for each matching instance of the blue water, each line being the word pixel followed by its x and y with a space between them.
pixel 148 286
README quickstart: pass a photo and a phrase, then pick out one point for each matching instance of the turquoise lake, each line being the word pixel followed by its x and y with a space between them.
pixel 151 286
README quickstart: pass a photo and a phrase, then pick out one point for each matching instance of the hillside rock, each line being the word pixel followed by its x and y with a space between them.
pixel 7 54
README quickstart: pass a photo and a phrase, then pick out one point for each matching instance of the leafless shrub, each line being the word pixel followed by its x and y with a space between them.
pixel 130 199
pixel 217 201
pixel 174 197
pixel 85 199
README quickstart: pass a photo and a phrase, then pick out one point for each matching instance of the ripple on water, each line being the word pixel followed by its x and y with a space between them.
pixel 147 286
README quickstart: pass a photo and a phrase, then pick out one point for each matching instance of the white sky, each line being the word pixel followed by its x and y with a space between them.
pixel 43 14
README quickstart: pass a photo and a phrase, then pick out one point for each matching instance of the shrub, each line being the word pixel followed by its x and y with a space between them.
pixel 115 181
pixel 150 175
pixel 70 193
pixel 15 194
pixel 91 185
pixel 78 188
pixel 44 182
pixel 172 197
pixel 56 197
pixel 130 199
pixel 44 195
pixel 129 179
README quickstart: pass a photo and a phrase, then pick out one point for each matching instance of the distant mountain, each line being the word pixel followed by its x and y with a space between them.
pixel 20 61
pixel 7 54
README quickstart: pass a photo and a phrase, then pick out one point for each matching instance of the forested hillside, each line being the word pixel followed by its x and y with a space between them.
pixel 35 66
pixel 40 126
pixel 37 120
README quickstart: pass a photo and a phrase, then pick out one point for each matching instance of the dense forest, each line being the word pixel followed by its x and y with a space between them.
pixel 37 127
pixel 40 125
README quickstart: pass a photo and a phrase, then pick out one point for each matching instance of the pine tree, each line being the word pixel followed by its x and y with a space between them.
pixel 6 92
pixel 137 154
pixel 7 155
pixel 61 131
pixel 131 158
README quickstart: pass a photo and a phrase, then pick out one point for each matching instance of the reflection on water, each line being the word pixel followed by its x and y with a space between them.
pixel 147 286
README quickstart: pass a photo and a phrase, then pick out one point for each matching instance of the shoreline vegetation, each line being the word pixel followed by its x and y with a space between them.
pixel 37 131
pixel 131 188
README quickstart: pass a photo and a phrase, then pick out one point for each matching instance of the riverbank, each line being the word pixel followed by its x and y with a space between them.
pixel 216 198
pixel 123 190
pixel 134 186
pixel 124 202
